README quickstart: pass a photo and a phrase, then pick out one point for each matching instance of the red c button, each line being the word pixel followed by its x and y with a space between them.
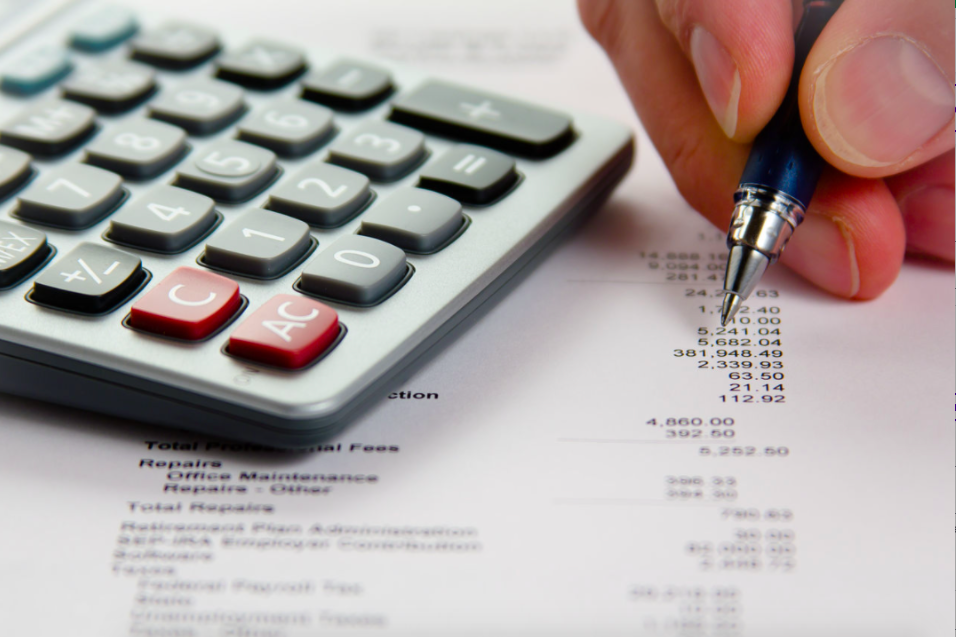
pixel 189 304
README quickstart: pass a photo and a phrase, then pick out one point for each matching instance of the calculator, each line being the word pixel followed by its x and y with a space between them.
pixel 252 238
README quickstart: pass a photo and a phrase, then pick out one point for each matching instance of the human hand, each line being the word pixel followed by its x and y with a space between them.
pixel 875 99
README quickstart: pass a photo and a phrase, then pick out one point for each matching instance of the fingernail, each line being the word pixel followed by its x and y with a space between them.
pixel 718 77
pixel 879 102
pixel 929 220
pixel 822 251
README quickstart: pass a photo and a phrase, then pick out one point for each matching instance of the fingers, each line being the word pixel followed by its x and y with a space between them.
pixel 876 92
pixel 925 196
pixel 742 53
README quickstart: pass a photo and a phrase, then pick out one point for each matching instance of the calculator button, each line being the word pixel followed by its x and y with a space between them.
pixel 380 150
pixel 289 127
pixel 484 118
pixel 137 148
pixel 104 29
pixel 202 107
pixel 175 45
pixel 164 219
pixel 91 279
pixel 261 64
pixel 289 331
pixel 470 174
pixel 260 243
pixel 14 169
pixel 110 87
pixel 52 127
pixel 348 85
pixel 22 250
pixel 72 196
pixel 321 195
pixel 355 269
pixel 228 170
pixel 189 304
pixel 36 71
pixel 414 220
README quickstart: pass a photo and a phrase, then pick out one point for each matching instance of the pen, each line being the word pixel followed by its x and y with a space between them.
pixel 778 180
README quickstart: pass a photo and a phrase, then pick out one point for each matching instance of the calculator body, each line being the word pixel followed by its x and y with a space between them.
pixel 98 363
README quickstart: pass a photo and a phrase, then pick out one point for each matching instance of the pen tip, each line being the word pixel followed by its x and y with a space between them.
pixel 731 305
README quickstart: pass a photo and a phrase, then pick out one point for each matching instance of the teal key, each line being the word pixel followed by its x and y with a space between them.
pixel 104 29
pixel 36 71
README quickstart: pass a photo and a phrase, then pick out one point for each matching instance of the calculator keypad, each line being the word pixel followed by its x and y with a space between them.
pixel 348 86
pixel 164 219
pixel 202 107
pixel 414 220
pixel 14 169
pixel 383 151
pixel 189 304
pixel 260 243
pixel 72 196
pixel 90 279
pixel 288 331
pixel 110 87
pixel 288 127
pixel 355 269
pixel 228 170
pixel 22 249
pixel 175 45
pixel 321 195
pixel 470 174
pixel 137 148
pixel 51 127
pixel 261 64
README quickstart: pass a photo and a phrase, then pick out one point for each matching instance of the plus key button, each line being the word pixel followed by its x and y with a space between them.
pixel 289 331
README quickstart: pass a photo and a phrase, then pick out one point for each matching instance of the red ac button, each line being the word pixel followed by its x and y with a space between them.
pixel 189 304
pixel 289 331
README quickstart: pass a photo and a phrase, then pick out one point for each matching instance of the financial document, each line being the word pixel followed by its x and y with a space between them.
pixel 596 456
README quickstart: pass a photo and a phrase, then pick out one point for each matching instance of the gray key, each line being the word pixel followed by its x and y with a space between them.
pixel 175 45
pixel 202 107
pixel 290 127
pixel 228 171
pixel 348 85
pixel 380 150
pixel 91 279
pixel 72 196
pixel 321 195
pixel 14 169
pixel 470 174
pixel 415 220
pixel 261 64
pixel 111 86
pixel 52 127
pixel 484 118
pixel 165 219
pixel 355 269
pixel 260 243
pixel 22 250
pixel 138 148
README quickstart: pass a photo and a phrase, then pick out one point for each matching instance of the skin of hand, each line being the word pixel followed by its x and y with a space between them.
pixel 876 101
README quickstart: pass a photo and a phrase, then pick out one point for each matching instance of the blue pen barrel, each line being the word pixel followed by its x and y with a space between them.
pixel 782 157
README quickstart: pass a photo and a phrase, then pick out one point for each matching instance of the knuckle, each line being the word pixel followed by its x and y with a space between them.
pixel 602 20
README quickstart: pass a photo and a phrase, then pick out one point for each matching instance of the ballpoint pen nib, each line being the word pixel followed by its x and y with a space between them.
pixel 730 307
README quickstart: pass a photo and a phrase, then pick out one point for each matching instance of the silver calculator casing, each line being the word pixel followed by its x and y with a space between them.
pixel 97 364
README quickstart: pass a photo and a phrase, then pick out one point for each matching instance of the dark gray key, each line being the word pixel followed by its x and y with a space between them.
pixel 261 64
pixel 91 279
pixel 14 169
pixel 52 127
pixel 36 71
pixel 380 150
pixel 415 220
pixel 175 45
pixel 355 269
pixel 111 86
pixel 484 118
pixel 321 195
pixel 289 127
pixel 228 171
pixel 348 85
pixel 72 196
pixel 103 29
pixel 470 174
pixel 138 148
pixel 202 107
pixel 22 250
pixel 260 243
pixel 164 219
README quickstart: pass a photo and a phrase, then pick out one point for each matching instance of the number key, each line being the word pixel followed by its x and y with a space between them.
pixel 110 87
pixel 289 127
pixel 164 219
pixel 322 195
pixel 72 196
pixel 228 171
pixel 202 107
pixel 356 270
pixel 260 243
pixel 175 45
pixel 381 150
pixel 137 148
